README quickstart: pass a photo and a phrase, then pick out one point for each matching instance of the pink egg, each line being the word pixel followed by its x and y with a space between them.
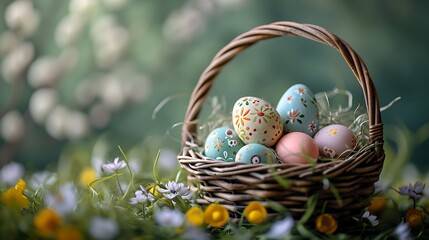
pixel 297 147
pixel 334 140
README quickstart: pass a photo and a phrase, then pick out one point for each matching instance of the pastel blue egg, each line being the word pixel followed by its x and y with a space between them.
pixel 222 144
pixel 298 110
pixel 255 153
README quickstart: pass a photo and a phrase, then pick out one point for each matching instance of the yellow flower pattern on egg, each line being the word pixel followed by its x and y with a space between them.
pixel 256 121
pixel 334 140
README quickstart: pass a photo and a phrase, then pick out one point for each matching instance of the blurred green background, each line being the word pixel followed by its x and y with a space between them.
pixel 80 77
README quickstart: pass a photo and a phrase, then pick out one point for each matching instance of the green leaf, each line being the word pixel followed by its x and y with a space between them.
pixel 333 190
pixel 305 232
pixel 102 179
pixel 276 206
pixel 284 182
pixel 311 205
pixel 155 174
pixel 131 182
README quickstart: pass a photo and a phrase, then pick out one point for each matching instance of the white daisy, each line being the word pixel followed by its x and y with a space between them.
pixel 142 196
pixel 415 191
pixel 115 166
pixel 174 189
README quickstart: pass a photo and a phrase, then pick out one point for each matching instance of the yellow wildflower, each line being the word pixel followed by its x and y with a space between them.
pixel 20 185
pixel 87 175
pixel 216 215
pixel 195 216
pixel 47 222
pixel 414 217
pixel 378 204
pixel 326 223
pixel 154 190
pixel 69 233
pixel 14 197
pixel 255 212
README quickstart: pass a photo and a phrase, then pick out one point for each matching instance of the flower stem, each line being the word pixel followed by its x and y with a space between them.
pixel 119 185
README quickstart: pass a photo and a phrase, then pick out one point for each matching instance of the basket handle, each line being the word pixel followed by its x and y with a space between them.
pixel 279 29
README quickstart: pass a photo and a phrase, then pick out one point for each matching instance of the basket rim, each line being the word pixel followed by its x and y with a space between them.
pixel 278 29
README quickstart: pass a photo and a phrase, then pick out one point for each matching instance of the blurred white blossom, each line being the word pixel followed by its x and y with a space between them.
pixel 44 72
pixel 83 8
pixel 8 41
pixel 42 101
pixel 115 4
pixel 12 126
pixel 64 201
pixel 169 218
pixel 196 233
pixel 111 92
pixel 56 122
pixel 68 30
pixel 68 58
pixel 99 115
pixel 11 173
pixel 16 61
pixel 42 179
pixel 281 229
pixel 184 24
pixel 403 232
pixel 138 88
pixel 86 92
pixel 110 40
pixel 103 228
pixel 229 3
pixel 21 16
pixel 77 125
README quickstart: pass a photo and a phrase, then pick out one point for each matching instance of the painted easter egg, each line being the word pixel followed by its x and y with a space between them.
pixel 256 121
pixel 222 144
pixel 334 140
pixel 298 110
pixel 255 153
pixel 297 147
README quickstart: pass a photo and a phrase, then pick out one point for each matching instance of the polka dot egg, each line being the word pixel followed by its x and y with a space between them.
pixel 334 140
pixel 256 121
pixel 222 144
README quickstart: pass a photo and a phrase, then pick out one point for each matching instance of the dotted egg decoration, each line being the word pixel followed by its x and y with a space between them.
pixel 222 144
pixel 334 140
pixel 256 121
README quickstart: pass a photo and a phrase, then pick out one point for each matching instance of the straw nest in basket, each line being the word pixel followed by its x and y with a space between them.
pixel 340 187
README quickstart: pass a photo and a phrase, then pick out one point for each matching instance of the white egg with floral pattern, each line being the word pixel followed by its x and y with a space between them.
pixel 222 144
pixel 256 121
pixel 298 110
pixel 255 153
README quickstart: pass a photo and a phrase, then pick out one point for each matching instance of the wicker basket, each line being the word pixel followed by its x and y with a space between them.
pixel 234 185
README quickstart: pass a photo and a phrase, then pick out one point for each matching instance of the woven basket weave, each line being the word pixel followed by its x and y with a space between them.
pixel 235 184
